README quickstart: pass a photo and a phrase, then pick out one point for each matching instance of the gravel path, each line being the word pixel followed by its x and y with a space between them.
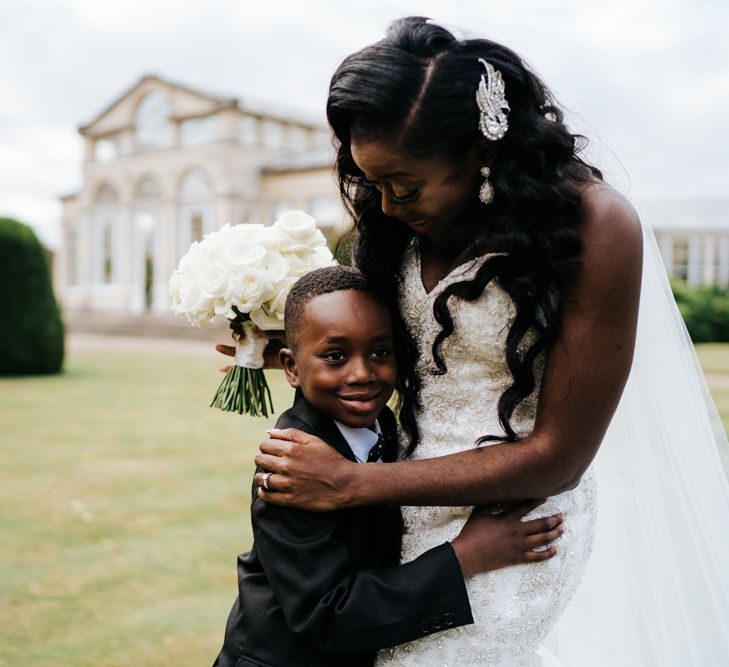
pixel 78 342
pixel 718 380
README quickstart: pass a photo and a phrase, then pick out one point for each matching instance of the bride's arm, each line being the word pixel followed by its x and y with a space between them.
pixel 584 378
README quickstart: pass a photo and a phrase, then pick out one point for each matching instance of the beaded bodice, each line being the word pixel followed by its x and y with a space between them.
pixel 474 353
pixel 514 607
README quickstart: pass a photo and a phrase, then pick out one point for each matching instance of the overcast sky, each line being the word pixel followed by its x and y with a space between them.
pixel 647 81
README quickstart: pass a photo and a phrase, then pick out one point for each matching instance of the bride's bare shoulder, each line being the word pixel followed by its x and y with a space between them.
pixel 612 238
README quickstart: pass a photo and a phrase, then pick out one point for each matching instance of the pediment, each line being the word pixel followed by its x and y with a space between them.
pixel 182 101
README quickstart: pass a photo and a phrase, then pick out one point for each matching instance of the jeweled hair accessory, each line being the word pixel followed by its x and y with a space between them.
pixel 491 100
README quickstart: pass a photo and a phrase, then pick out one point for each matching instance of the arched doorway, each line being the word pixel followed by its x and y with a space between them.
pixel 104 237
pixel 196 210
pixel 147 285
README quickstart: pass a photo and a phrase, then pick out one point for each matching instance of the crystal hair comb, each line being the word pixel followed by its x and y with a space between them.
pixel 491 100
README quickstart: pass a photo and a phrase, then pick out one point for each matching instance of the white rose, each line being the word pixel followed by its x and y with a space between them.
pixel 213 279
pixel 297 230
pixel 297 266
pixel 253 234
pixel 276 268
pixel 242 254
pixel 174 285
pixel 267 321
pixel 296 224
pixel 321 257
pixel 190 257
pixel 249 289
pixel 211 251
pixel 222 306
pixel 188 296
pixel 202 312
pixel 278 302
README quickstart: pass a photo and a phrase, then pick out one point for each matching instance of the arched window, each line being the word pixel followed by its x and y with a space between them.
pixel 106 213
pixel 249 130
pixel 106 149
pixel 298 138
pixel 273 134
pixel 195 186
pixel 198 131
pixel 151 121
pixel 196 217
pixel 148 190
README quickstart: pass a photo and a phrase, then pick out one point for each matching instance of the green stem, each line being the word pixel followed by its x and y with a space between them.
pixel 245 391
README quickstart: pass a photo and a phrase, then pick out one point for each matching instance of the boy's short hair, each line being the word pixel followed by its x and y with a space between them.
pixel 315 283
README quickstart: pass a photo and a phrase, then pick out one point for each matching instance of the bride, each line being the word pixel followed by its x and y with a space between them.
pixel 517 274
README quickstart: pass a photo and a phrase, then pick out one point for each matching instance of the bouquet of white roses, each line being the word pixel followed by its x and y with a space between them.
pixel 245 272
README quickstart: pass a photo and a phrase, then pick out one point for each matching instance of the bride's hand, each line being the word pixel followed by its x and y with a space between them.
pixel 307 473
pixel 276 342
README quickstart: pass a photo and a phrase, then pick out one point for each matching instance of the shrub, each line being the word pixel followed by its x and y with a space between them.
pixel 31 335
pixel 705 310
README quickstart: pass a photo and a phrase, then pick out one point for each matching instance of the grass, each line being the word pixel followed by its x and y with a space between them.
pixel 123 504
pixel 714 357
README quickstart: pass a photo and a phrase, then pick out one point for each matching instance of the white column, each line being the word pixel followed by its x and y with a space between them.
pixel 85 254
pixel 709 273
pixel 126 142
pixel 60 263
pixel 88 148
pixel 224 211
pixel 722 274
pixel 136 254
pixel 124 254
pixel 174 131
pixel 694 261
pixel 165 256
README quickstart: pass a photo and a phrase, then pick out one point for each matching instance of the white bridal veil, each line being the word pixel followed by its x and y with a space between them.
pixel 656 590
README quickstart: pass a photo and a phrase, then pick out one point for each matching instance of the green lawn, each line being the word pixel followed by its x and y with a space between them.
pixel 715 360
pixel 714 357
pixel 123 503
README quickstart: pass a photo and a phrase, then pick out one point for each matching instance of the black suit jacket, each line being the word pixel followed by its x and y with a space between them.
pixel 325 588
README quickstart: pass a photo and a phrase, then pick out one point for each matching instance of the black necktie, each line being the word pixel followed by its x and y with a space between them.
pixel 376 450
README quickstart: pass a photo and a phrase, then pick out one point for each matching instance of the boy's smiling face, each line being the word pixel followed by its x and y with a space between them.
pixel 343 356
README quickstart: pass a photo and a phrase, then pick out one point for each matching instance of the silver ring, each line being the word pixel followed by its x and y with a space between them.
pixel 266 477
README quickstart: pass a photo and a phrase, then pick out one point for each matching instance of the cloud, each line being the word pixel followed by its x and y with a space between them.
pixel 648 83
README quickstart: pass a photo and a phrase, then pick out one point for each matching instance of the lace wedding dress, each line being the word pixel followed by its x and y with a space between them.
pixel 513 608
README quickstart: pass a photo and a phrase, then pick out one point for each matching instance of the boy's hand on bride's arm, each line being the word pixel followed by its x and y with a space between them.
pixel 276 342
pixel 492 541
pixel 306 472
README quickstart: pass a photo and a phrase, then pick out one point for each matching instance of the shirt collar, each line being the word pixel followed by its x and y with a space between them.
pixel 360 440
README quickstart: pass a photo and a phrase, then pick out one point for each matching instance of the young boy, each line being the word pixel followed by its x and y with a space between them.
pixel 325 588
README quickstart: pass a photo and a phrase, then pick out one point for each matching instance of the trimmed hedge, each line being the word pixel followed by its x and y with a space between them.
pixel 31 334
pixel 705 310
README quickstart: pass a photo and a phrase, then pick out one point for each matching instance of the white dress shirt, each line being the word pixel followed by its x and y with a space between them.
pixel 360 440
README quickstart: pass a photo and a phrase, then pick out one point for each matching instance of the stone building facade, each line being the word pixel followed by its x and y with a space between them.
pixel 165 164
pixel 693 236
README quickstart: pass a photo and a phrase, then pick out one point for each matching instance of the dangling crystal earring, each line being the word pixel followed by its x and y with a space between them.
pixel 486 194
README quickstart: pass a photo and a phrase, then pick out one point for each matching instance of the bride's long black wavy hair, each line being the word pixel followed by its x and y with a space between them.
pixel 415 90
